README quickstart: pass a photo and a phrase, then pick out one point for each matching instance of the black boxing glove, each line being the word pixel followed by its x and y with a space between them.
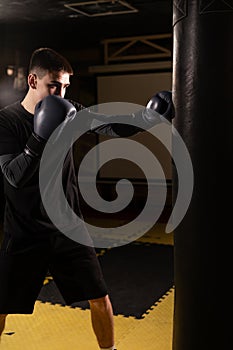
pixel 162 103
pixel 50 112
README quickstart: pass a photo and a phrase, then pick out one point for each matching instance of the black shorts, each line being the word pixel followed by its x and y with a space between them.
pixel 24 264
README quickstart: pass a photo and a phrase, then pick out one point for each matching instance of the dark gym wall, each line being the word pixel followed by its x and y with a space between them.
pixel 78 39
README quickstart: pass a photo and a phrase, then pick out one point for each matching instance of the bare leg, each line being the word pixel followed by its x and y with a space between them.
pixel 2 323
pixel 102 321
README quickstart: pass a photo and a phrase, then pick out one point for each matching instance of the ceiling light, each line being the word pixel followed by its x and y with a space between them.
pixel 101 7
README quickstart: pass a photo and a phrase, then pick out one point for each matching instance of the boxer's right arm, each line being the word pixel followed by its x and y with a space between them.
pixel 18 168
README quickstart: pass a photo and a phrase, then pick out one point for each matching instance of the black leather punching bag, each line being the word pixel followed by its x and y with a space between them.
pixel 203 98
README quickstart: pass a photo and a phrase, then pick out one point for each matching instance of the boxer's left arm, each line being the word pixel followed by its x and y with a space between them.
pixel 158 109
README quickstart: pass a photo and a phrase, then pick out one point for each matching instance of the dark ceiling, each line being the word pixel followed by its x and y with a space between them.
pixel 26 25
pixel 26 22
pixel 25 11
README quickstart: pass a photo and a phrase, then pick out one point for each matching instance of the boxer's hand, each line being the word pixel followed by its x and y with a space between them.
pixel 162 104
pixel 50 112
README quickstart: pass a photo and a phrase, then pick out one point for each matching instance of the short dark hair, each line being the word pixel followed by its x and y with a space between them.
pixel 46 60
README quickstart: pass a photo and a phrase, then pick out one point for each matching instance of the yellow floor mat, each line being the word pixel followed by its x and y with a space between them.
pixel 56 327
pixel 157 235
pixel 53 327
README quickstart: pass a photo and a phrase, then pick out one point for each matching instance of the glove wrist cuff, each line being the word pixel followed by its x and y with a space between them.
pixel 35 146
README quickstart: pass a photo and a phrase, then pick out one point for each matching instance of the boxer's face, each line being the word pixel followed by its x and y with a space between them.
pixel 54 83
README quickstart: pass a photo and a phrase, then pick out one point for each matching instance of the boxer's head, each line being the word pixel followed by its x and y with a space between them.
pixel 49 73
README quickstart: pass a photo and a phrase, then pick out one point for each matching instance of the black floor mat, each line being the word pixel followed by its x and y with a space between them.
pixel 137 275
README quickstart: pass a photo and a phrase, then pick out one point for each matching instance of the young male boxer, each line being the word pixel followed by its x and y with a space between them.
pixel 32 245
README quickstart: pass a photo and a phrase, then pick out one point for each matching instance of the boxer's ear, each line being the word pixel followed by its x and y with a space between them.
pixel 32 80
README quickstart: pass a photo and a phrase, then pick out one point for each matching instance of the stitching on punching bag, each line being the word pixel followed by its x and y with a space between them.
pixel 211 6
pixel 179 10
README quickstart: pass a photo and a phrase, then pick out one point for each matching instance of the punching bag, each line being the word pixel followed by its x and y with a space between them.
pixel 203 99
